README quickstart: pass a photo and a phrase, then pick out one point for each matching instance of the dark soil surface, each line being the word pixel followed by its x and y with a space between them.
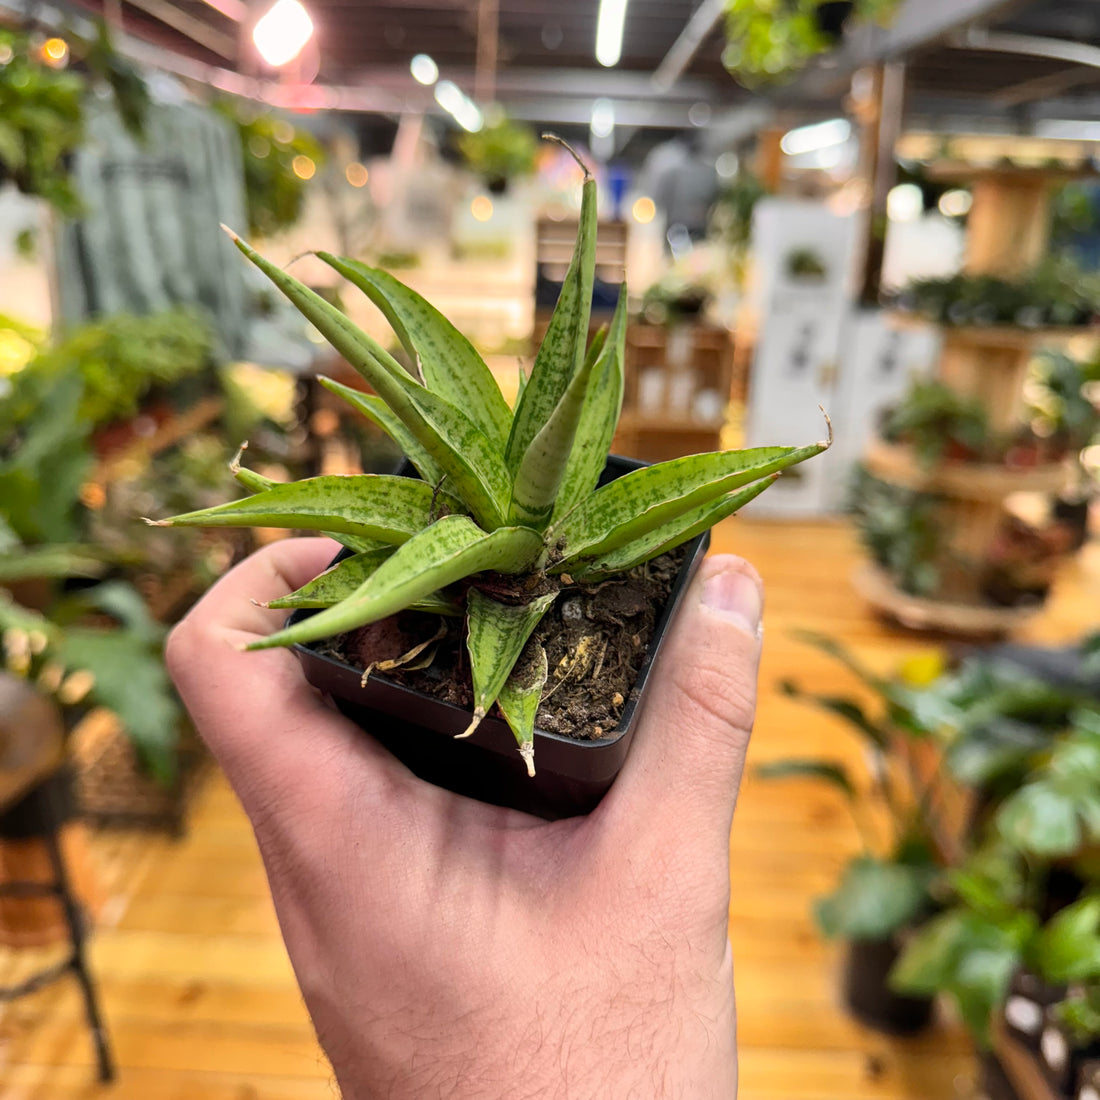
pixel 595 637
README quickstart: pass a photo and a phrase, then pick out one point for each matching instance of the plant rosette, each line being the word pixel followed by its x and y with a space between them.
pixel 508 516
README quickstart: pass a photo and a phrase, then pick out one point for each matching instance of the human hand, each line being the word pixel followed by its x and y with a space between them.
pixel 451 950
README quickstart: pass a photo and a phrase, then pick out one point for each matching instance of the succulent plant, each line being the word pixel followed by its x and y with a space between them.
pixel 508 512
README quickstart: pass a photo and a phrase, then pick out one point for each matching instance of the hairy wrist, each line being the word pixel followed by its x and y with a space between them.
pixel 657 1038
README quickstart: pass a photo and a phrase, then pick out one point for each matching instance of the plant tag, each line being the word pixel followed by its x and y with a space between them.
pixel 1024 1015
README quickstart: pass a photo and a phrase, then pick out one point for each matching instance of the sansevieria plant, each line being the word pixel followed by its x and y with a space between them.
pixel 508 513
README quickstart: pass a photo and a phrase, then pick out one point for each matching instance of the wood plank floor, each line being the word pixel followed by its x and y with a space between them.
pixel 200 997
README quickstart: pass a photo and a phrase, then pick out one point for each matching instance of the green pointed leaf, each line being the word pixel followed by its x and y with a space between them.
pixel 847 709
pixel 562 350
pixel 343 579
pixel 448 362
pixel 643 500
pixel 825 770
pixel 252 481
pixel 52 561
pixel 378 412
pixel 874 899
pixel 497 634
pixel 536 490
pixel 476 468
pixel 336 583
pixel 257 483
pixel 381 507
pixel 670 535
pixel 450 549
pixel 603 403
pixel 519 700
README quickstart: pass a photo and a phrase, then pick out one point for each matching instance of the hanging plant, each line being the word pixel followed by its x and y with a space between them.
pixel 768 40
pixel 279 159
pixel 501 151
pixel 41 123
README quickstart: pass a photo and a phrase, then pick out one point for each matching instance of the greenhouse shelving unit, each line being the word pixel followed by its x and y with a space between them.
pixel 1006 237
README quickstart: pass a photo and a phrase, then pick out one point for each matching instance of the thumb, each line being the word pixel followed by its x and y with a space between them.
pixel 689 750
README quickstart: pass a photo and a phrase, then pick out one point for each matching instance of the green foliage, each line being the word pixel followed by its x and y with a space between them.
pixel 806 264
pixel 1057 811
pixel 41 123
pixel 514 493
pixel 1061 401
pixel 500 151
pixel 936 422
pixel 121 76
pixel 900 529
pixel 1057 292
pixel 124 662
pixel 120 358
pixel 274 192
pixel 874 899
pixel 769 40
pixel 878 894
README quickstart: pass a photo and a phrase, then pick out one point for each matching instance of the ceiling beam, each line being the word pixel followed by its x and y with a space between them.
pixel 197 30
pixel 680 53
pixel 918 23
pixel 1043 87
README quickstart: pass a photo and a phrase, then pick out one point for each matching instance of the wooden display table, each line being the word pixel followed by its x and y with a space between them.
pixel 676 390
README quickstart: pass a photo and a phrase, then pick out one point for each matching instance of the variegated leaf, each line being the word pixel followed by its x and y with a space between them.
pixel 381 507
pixel 448 362
pixel 376 410
pixel 603 402
pixel 562 350
pixel 497 634
pixel 476 468
pixel 448 550
pixel 520 697
pixel 669 536
pixel 538 480
pixel 644 500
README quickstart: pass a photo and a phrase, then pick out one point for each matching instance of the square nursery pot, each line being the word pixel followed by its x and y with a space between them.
pixel 571 775
pixel 865 987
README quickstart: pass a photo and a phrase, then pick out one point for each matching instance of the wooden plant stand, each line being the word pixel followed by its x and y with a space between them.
pixel 1007 236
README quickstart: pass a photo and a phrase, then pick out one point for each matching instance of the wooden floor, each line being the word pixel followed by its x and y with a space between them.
pixel 199 993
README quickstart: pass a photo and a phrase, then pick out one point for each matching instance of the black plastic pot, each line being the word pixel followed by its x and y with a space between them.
pixel 571 777
pixel 831 15
pixel 1029 997
pixel 868 995
pixel 1074 514
pixel 1060 1059
pixel 43 809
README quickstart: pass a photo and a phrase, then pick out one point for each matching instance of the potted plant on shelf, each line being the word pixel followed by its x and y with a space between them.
pixel 501 151
pixel 938 424
pixel 883 893
pixel 497 567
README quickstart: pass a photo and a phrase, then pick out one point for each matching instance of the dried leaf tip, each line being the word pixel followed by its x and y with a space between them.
pixel 828 424
pixel 232 236
pixel 156 522
pixel 528 754
pixel 571 151
pixel 479 714
pixel 235 465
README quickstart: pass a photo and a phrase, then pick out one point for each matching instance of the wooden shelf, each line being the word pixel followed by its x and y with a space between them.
pixel 918 613
pixel 998 336
pixel 895 463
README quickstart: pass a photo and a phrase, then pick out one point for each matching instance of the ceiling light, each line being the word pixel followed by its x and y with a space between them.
pixel 459 105
pixel 727 164
pixel 304 167
pixel 282 32
pixel 482 208
pixel 424 69
pixel 603 118
pixel 609 32
pixel 821 135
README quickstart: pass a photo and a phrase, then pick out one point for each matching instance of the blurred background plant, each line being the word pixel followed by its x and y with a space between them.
pixel 501 151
